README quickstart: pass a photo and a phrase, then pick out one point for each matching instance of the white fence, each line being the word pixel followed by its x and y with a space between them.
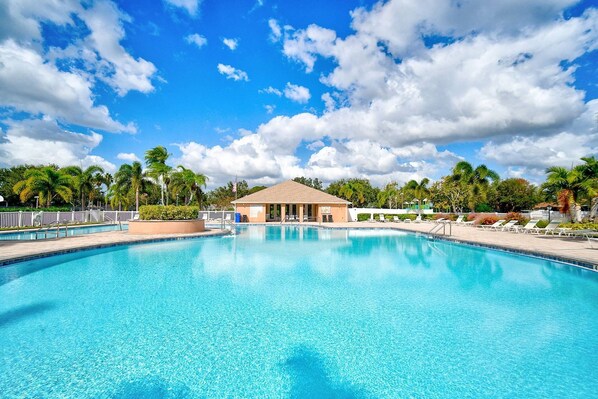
pixel 353 212
pixel 22 219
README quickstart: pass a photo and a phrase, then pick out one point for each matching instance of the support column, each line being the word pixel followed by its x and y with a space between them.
pixel 301 213
pixel 283 212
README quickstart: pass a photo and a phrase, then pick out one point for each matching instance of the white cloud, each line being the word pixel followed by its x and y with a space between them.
pixel 115 65
pixel 231 43
pixel 276 31
pixel 271 90
pixel 29 83
pixel 196 39
pixel 269 108
pixel 191 6
pixel 232 73
pixel 297 93
pixel 43 141
pixel 128 156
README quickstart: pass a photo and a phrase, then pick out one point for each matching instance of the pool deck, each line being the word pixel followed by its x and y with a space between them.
pixel 14 251
pixel 568 249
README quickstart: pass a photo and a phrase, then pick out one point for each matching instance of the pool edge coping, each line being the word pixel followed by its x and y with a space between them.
pixel 64 251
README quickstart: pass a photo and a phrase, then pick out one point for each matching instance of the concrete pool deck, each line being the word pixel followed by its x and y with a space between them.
pixel 14 251
pixel 568 249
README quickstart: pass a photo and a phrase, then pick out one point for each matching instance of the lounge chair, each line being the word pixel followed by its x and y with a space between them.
pixel 510 225
pixel 460 220
pixel 552 227
pixel 396 219
pixel 381 218
pixel 529 226
pixel 418 219
pixel 493 226
pixel 204 217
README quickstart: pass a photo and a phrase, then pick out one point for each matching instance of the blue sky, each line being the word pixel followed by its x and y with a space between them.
pixel 269 90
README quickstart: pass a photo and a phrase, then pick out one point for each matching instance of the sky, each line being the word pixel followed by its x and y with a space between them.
pixel 267 90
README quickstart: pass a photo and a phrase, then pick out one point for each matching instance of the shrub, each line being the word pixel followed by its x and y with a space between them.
pixel 363 217
pixel 471 217
pixel 30 209
pixel 168 212
pixel 542 223
pixel 486 219
pixel 580 226
pixel 516 216
pixel 446 216
pixel 409 216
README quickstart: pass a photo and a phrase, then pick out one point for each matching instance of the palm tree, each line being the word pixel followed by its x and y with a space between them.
pixel 118 196
pixel 47 182
pixel 155 159
pixel 131 176
pixel 420 190
pixel 187 181
pixel 353 191
pixel 477 180
pixel 571 186
pixel 589 171
pixel 389 195
pixel 84 179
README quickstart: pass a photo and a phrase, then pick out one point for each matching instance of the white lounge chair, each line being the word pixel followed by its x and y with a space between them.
pixel 381 218
pixel 461 220
pixel 204 217
pixel 529 226
pixel 510 225
pixel 552 227
pixel 493 226
pixel 396 219
pixel 418 219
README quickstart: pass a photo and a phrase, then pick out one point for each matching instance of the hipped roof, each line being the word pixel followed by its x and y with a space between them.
pixel 290 192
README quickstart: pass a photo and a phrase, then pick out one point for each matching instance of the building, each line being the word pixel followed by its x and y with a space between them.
pixel 291 201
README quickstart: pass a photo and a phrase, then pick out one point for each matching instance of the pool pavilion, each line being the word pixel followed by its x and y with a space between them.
pixel 290 201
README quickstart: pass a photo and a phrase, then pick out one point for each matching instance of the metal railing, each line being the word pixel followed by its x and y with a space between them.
pixel 442 226
pixel 46 230
pixel 43 218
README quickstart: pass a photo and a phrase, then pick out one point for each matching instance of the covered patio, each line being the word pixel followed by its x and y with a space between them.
pixel 290 201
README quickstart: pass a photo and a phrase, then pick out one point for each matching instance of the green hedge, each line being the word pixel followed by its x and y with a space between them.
pixel 364 217
pixel 168 212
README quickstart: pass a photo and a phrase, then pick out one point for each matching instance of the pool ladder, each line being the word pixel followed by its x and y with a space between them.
pixel 57 227
pixel 120 226
pixel 441 226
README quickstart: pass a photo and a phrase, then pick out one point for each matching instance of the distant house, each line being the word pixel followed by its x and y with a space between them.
pixel 291 201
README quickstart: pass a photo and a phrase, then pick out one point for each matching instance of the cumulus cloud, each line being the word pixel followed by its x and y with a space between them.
pixel 191 6
pixel 232 73
pixel 269 108
pixel 128 156
pixel 43 141
pixel 297 93
pixel 231 43
pixel 196 39
pixel 502 72
pixel 28 83
pixel 271 90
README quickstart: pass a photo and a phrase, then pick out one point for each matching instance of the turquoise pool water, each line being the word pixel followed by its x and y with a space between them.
pixel 51 233
pixel 298 313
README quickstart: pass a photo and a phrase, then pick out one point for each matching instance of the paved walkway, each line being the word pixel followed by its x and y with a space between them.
pixel 17 250
pixel 563 248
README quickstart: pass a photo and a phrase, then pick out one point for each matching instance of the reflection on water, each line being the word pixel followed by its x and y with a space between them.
pixel 150 388
pixel 480 269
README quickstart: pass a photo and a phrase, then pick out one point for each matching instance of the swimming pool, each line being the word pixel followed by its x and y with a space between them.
pixel 279 312
pixel 29 235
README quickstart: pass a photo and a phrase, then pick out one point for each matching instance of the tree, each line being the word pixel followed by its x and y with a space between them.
pixel 571 186
pixel 362 192
pixel 84 179
pixel 118 196
pixel 514 195
pixel 155 159
pixel 477 180
pixel 189 183
pixel 389 196
pixel 132 176
pixel 47 182
pixel 308 181
pixel 9 177
pixel 589 172
pixel 420 190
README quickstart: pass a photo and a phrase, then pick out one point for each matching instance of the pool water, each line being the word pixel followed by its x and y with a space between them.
pixel 29 235
pixel 293 312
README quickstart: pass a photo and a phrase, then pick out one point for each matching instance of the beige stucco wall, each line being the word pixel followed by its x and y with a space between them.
pixel 244 209
pixel 166 226
pixel 339 213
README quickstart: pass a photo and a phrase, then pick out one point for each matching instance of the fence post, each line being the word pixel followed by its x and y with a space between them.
pixel 20 218
pixel 58 216
pixel 72 216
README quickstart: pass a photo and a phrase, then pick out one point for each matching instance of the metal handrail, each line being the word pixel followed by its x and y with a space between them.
pixel 442 225
pixel 120 226
pixel 49 226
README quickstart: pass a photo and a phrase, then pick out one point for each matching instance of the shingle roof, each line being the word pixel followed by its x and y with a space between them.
pixel 290 192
